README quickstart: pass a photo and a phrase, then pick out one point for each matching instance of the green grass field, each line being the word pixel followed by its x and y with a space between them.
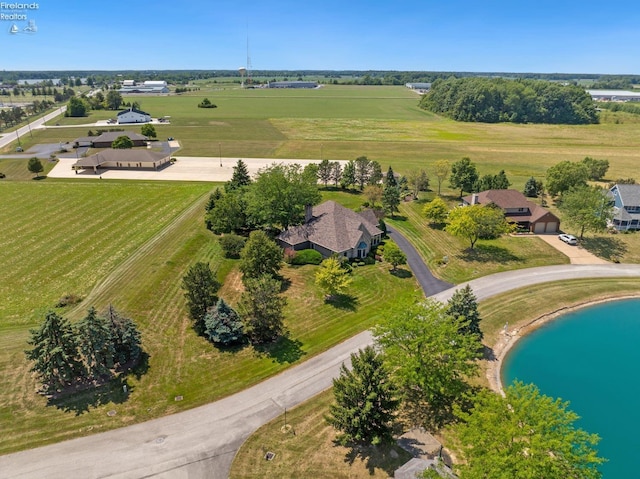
pixel 130 243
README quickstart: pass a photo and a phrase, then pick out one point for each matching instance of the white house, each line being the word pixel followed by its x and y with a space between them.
pixel 133 115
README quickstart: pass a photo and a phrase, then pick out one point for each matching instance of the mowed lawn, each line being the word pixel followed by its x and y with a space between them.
pixel 85 238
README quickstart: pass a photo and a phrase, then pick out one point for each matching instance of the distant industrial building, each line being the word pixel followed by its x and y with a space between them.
pixel 150 86
pixel 293 84
pixel 423 87
pixel 614 95
pixel 133 115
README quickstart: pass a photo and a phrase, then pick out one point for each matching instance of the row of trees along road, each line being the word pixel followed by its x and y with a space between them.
pixel 419 373
pixel 94 349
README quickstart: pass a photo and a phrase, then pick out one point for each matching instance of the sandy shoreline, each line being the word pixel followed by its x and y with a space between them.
pixel 511 336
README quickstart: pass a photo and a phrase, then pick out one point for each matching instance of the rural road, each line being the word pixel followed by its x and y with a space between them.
pixel 7 138
pixel 202 442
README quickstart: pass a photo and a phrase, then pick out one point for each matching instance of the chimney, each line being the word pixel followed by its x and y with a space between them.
pixel 474 198
pixel 308 213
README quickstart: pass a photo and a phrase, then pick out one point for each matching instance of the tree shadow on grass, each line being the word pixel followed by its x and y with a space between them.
pixel 489 254
pixel 79 401
pixel 401 273
pixel 283 350
pixel 343 301
pixel 609 248
pixel 377 457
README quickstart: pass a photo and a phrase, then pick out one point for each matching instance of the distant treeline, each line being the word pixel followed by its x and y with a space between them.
pixel 615 106
pixel 493 100
pixel 369 77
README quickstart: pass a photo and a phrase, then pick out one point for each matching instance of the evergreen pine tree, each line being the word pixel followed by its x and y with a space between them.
pixel 125 338
pixel 55 353
pixel 365 400
pixel 240 176
pixel 223 325
pixel 201 286
pixel 261 307
pixel 390 179
pixel 95 345
pixel 463 303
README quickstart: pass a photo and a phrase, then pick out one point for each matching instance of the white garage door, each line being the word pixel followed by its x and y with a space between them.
pixel 539 228
pixel 552 227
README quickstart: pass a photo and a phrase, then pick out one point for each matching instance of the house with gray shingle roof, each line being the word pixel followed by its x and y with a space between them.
pixel 626 207
pixel 330 228
pixel 122 159
pixel 517 209
pixel 105 139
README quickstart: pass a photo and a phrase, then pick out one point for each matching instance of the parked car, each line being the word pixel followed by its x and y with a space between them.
pixel 569 239
pixel 19 149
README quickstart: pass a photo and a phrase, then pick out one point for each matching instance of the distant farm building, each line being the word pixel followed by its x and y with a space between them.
pixel 138 159
pixel 614 95
pixel 150 86
pixel 421 87
pixel 132 115
pixel 293 84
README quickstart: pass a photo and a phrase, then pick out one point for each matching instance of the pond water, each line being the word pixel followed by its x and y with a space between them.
pixel 591 358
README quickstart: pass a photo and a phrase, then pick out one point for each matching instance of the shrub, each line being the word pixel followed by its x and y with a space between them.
pixel 307 256
pixel 232 245
pixel 2 175
pixel 369 260
pixel 68 300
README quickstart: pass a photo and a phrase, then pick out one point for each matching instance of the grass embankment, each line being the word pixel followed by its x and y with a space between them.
pixel 130 244
pixel 383 123
pixel 312 452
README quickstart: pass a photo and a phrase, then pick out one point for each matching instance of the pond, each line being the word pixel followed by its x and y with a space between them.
pixel 590 358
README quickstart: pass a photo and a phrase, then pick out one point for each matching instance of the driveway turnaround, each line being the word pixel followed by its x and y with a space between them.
pixel 202 442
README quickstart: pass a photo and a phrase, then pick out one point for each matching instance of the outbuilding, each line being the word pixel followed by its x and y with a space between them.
pixel 133 115
pixel 122 159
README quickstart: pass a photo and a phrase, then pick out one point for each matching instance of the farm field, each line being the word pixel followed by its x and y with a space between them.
pixel 382 122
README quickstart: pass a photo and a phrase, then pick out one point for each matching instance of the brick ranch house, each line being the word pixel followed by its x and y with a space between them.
pixel 518 209
pixel 330 228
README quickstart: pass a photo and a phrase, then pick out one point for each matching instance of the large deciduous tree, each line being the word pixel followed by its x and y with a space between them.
pixel 394 255
pixel 430 359
pixel 262 309
pixel 348 177
pixel 463 175
pixel 442 169
pixel 279 194
pixel 200 287
pixel 365 400
pixel 391 199
pixel 418 181
pixel 436 211
pixel 325 169
pixel 76 107
pixel 565 175
pixel 373 194
pixel 260 255
pixel 34 165
pixel 55 355
pixel 148 130
pixel 332 278
pixel 587 208
pixel 525 435
pixel 596 169
pixel 113 100
pixel 123 142
pixel 477 221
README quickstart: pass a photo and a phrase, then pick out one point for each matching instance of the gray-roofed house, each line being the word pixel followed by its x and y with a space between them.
pixel 108 137
pixel 330 228
pixel 626 207
pixel 517 209
pixel 122 159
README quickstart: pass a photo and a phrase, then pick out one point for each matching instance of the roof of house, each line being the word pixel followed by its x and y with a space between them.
pixel 123 156
pixel 511 199
pixel 333 227
pixel 133 110
pixel 629 194
pixel 110 136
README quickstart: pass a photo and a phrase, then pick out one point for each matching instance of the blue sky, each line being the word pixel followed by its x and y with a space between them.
pixel 444 35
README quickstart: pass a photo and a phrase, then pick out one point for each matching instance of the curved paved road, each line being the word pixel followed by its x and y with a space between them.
pixel 201 442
